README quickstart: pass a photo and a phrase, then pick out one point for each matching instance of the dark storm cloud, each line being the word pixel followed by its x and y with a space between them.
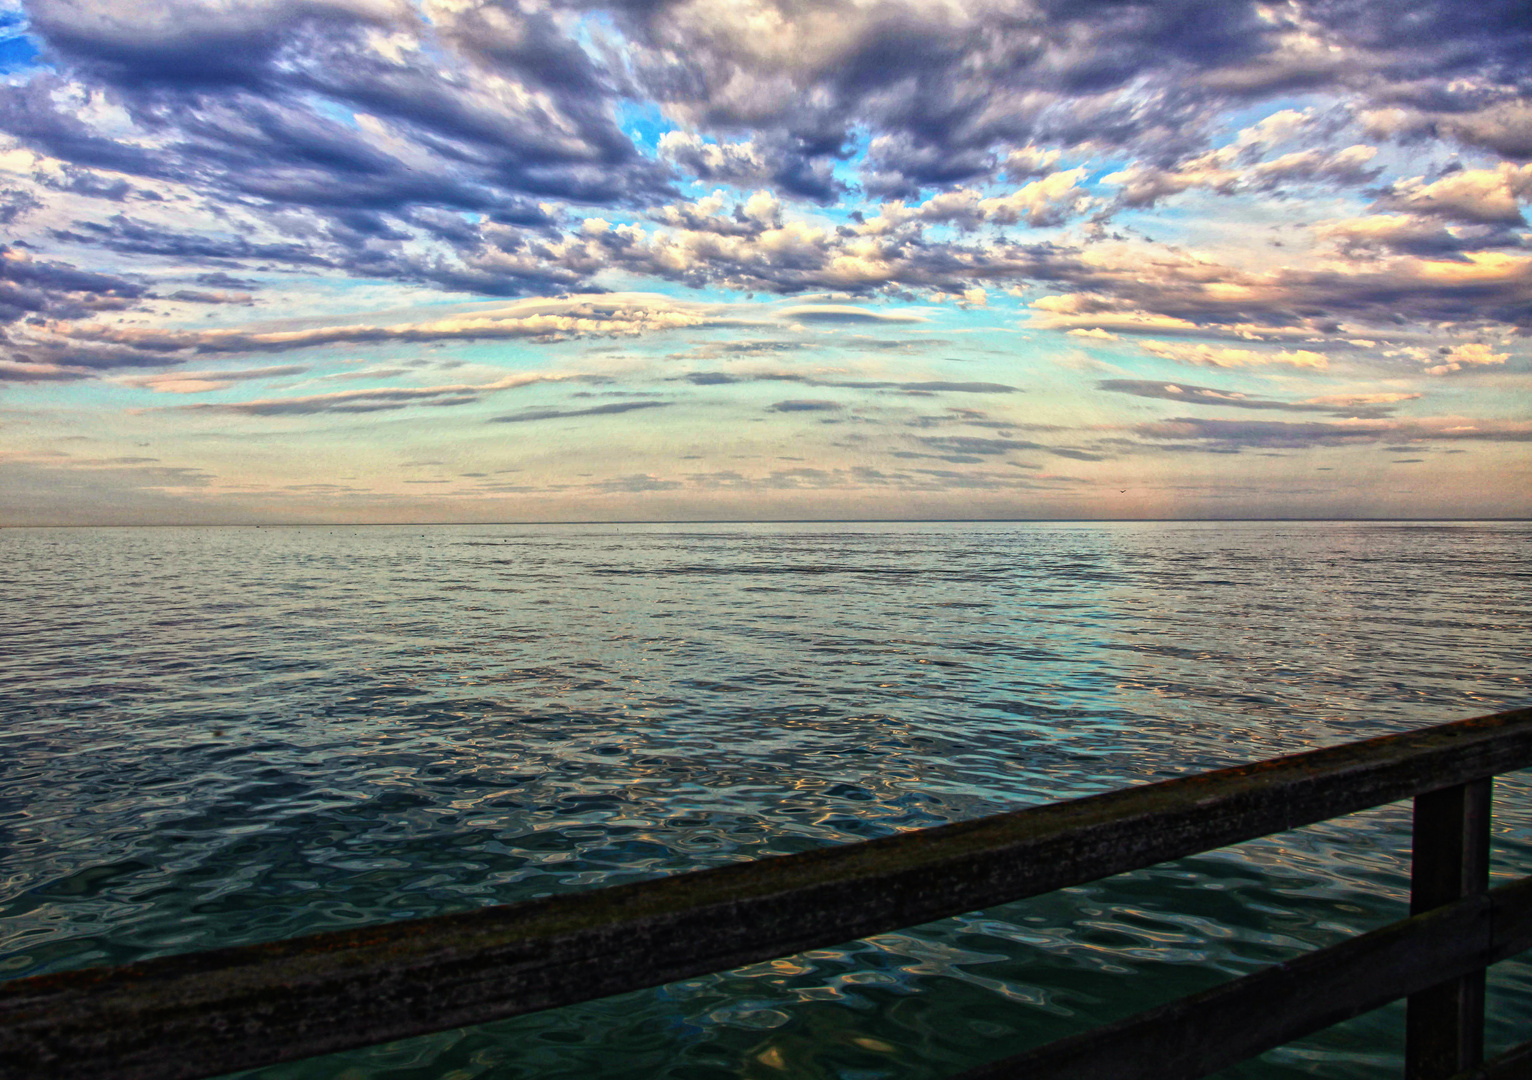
pixel 561 414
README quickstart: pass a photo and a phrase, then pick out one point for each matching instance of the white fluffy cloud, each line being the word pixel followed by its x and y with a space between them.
pixel 1470 355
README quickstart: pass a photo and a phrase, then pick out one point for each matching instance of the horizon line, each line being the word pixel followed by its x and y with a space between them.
pixel 763 521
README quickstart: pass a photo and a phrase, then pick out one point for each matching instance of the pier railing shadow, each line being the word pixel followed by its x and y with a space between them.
pixel 207 1013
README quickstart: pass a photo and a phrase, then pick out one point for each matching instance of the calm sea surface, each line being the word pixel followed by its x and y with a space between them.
pixel 227 735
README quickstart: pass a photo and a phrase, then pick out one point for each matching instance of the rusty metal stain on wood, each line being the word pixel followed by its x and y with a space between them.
pixel 202 1014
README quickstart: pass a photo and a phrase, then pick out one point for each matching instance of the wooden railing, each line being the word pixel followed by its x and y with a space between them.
pixel 207 1013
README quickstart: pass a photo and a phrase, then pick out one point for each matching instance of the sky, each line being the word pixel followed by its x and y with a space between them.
pixel 474 260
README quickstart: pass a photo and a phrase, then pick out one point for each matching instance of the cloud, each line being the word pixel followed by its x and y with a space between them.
pixel 1238 167
pixel 840 313
pixel 1349 405
pixel 199 382
pixel 930 386
pixel 1504 127
pixel 1357 401
pixel 636 483
pixel 1232 436
pixel 377 399
pixel 26 372
pixel 544 320
pixel 899 165
pixel 31 286
pixel 202 296
pixel 561 414
pixel 17 203
pixel 972 447
pixel 1222 356
pixel 1115 288
pixel 1476 196
pixel 939 386
pixel 774 159
pixel 1197 395
pixel 805 405
pixel 1051 200
pixel 129 236
pixel 1473 354
pixel 1409 234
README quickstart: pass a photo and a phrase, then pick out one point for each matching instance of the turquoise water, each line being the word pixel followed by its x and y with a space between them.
pixel 214 736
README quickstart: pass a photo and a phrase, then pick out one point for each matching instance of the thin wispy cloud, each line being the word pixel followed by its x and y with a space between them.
pixel 200 382
pixel 612 409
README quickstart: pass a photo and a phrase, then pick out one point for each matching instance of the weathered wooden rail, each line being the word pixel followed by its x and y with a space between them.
pixel 213 1012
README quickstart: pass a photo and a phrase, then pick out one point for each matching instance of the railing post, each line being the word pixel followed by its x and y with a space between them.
pixel 1444 1027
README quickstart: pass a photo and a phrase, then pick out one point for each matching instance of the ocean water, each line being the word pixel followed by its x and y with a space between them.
pixel 225 735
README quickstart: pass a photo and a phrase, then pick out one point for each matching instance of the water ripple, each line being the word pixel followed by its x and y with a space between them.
pixel 216 736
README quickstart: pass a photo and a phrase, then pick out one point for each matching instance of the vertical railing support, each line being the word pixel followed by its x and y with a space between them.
pixel 1444 1027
